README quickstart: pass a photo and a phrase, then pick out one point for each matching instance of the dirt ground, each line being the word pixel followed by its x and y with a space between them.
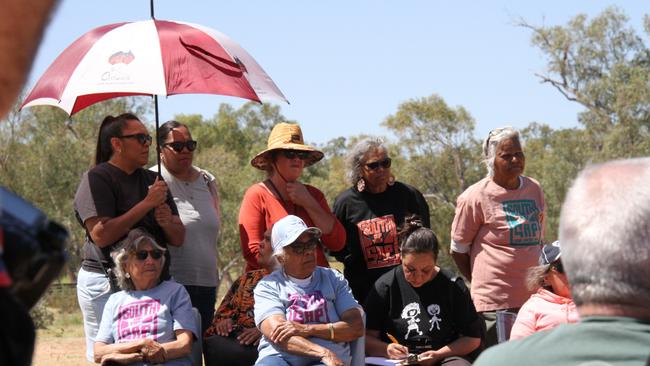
pixel 60 351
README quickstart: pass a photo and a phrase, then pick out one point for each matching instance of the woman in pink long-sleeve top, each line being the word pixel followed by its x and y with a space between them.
pixel 551 305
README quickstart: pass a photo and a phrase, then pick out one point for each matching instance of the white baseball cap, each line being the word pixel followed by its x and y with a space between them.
pixel 288 229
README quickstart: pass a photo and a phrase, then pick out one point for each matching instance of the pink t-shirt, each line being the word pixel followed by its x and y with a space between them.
pixel 502 230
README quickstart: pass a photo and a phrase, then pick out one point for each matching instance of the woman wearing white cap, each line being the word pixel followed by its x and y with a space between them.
pixel 551 305
pixel 306 313
pixel 281 194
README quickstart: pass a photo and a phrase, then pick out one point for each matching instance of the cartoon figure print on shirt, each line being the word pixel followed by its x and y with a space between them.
pixel 411 313
pixel 434 311
pixel 308 308
pixel 378 238
pixel 524 220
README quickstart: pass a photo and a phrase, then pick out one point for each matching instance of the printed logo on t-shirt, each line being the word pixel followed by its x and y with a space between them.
pixel 137 320
pixel 524 221
pixel 411 313
pixel 308 308
pixel 378 238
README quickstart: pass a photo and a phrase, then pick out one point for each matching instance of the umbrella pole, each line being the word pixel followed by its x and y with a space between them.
pixel 155 102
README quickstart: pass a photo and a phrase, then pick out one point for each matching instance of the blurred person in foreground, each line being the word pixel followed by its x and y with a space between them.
pixel 605 236
pixel 497 230
pixel 426 309
pixel 282 194
pixel 150 321
pixel 551 304
pixel 370 211
pixel 232 338
pixel 193 264
pixel 306 313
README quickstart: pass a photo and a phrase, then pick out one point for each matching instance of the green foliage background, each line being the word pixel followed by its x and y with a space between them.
pixel 600 63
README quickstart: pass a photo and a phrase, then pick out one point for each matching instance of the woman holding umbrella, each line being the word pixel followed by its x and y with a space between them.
pixel 116 195
pixel 281 194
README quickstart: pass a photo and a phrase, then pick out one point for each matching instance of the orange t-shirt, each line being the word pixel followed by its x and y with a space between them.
pixel 504 230
pixel 260 209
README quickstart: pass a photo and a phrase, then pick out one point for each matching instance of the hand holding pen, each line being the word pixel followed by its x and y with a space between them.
pixel 395 350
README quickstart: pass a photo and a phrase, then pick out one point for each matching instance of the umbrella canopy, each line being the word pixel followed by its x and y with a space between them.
pixel 151 57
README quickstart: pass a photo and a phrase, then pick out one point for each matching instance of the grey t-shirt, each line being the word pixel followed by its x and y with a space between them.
pixel 156 314
pixel 323 301
pixel 195 262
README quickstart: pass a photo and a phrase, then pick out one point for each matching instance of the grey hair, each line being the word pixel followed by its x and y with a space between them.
pixel 490 145
pixel 356 157
pixel 535 276
pixel 128 246
pixel 605 234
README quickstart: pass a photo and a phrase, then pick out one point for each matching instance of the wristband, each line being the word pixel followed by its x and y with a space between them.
pixel 331 327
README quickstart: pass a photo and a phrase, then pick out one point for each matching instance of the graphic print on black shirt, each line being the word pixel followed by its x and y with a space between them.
pixel 378 238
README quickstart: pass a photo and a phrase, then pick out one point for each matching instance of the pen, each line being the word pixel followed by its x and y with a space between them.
pixel 392 339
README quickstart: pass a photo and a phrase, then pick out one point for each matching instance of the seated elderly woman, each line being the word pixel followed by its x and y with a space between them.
pixel 306 313
pixel 149 321
pixel 419 309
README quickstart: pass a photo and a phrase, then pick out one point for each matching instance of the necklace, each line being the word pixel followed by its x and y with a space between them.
pixel 282 201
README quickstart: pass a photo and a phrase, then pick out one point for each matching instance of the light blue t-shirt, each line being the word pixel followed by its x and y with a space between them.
pixel 323 301
pixel 156 314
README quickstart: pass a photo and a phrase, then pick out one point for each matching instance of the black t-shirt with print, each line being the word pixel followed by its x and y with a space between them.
pixel 370 221
pixel 424 318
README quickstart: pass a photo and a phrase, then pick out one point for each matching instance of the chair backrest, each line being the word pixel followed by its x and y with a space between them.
pixel 358 346
pixel 197 345
pixel 505 321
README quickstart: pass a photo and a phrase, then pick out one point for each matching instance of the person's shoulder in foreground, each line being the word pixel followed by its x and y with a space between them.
pixel 596 341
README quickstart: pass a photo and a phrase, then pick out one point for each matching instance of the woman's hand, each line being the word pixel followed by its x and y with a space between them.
pixel 163 215
pixel 224 327
pixel 121 358
pixel 249 336
pixel 331 359
pixel 153 352
pixel 431 361
pixel 396 351
pixel 157 194
pixel 299 194
pixel 287 329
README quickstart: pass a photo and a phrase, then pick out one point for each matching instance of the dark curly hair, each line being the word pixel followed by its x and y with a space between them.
pixel 417 239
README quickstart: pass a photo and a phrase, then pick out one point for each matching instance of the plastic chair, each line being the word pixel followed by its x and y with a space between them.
pixel 358 346
pixel 197 346
pixel 505 321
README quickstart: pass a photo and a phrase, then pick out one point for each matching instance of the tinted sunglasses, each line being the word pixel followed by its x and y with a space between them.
pixel 299 247
pixel 179 145
pixel 558 267
pixel 376 164
pixel 143 254
pixel 142 138
pixel 292 154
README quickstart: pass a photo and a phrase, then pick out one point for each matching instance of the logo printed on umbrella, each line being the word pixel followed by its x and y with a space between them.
pixel 118 61
pixel 121 57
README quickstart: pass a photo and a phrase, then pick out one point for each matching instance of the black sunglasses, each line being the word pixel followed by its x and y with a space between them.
pixel 142 138
pixel 292 154
pixel 179 145
pixel 558 267
pixel 376 164
pixel 143 254
pixel 299 247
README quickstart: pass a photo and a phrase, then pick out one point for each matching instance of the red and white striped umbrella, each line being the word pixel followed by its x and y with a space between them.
pixel 150 57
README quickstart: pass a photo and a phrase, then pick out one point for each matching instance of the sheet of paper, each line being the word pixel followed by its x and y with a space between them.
pixel 382 361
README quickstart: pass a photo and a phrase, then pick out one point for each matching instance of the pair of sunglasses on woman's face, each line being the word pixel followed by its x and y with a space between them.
pixel 381 163
pixel 299 247
pixel 178 146
pixel 292 154
pixel 142 255
pixel 142 138
pixel 558 267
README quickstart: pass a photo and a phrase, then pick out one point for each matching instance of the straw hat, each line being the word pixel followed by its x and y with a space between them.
pixel 286 136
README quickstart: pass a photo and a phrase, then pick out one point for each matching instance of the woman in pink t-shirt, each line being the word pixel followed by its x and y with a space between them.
pixel 551 305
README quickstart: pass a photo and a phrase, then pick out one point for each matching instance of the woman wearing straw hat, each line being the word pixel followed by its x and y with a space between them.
pixel 281 194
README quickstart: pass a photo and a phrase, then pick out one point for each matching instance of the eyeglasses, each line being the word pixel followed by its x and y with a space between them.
pixel 143 254
pixel 558 267
pixel 299 247
pixel 376 164
pixel 142 138
pixel 292 154
pixel 179 145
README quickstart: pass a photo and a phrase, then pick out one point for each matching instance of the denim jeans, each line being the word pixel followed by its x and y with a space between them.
pixel 93 290
pixel 203 298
